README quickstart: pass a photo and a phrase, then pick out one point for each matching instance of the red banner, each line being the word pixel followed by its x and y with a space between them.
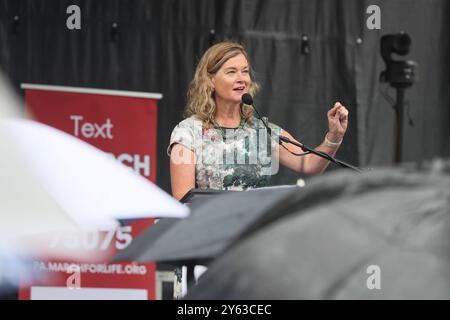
pixel 123 124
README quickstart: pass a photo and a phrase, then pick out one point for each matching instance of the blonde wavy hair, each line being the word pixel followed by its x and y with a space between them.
pixel 200 95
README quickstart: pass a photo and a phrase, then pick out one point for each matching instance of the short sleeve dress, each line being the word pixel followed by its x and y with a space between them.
pixel 230 158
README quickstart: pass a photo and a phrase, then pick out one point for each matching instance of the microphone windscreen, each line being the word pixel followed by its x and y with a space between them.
pixel 247 99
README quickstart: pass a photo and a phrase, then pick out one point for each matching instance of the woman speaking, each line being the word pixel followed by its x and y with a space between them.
pixel 221 144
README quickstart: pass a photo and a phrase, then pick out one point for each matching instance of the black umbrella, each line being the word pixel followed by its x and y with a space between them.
pixel 211 227
pixel 380 235
pixel 147 238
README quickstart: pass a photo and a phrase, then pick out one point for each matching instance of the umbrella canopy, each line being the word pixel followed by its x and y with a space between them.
pixel 207 232
pixel 9 107
pixel 92 187
pixel 26 208
pixel 380 235
pixel 141 245
pixel 51 181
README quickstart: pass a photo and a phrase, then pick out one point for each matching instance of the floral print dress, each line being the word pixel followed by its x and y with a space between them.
pixel 229 158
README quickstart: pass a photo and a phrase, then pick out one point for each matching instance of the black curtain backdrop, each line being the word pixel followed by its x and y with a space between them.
pixel 157 44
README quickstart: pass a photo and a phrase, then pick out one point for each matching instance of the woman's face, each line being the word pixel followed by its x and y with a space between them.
pixel 232 80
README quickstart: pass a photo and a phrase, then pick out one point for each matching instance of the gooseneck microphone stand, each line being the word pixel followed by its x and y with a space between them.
pixel 319 153
pixel 247 99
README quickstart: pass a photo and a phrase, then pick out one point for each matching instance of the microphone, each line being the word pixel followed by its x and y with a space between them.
pixel 248 99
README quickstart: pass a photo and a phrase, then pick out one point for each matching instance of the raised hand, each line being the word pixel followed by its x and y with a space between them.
pixel 337 122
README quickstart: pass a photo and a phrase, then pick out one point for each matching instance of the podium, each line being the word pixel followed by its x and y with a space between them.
pixel 218 220
pixel 200 195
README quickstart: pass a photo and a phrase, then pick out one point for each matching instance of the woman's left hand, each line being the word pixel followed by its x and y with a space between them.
pixel 337 122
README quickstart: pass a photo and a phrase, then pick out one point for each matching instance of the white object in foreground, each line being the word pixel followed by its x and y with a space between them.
pixel 88 184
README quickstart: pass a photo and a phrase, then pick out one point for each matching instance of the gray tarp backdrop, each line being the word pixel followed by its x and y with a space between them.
pixel 157 44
